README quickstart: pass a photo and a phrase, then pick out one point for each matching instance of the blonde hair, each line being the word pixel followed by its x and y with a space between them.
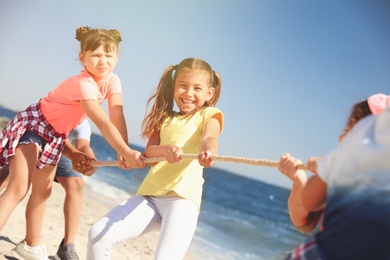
pixel 163 96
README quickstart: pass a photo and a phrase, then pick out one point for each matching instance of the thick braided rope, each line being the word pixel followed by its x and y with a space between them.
pixel 218 158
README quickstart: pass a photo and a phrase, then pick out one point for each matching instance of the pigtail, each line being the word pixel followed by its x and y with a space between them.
pixel 216 83
pixel 163 104
pixel 163 96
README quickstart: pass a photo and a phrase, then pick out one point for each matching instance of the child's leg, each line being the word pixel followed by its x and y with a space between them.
pixel 179 220
pixel 72 205
pixel 3 178
pixel 130 219
pixel 21 168
pixel 40 192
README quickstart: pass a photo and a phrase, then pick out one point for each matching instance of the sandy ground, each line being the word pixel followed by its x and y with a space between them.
pixel 141 248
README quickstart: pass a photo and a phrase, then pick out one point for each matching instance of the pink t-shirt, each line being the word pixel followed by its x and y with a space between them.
pixel 62 107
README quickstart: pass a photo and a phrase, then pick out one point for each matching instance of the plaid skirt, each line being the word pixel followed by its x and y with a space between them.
pixel 307 250
pixel 34 121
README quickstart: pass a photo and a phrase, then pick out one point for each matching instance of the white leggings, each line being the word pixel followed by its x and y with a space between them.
pixel 139 215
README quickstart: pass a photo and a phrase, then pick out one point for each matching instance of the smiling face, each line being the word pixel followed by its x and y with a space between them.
pixel 99 62
pixel 191 89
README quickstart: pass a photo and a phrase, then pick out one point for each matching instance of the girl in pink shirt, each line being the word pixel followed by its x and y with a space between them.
pixel 32 142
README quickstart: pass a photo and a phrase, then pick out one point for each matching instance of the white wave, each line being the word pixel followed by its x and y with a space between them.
pixel 107 194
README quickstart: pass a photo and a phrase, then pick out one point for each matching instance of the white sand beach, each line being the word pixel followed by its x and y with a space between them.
pixel 142 248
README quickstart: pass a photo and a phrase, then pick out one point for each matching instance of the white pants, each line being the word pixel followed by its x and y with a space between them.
pixel 138 215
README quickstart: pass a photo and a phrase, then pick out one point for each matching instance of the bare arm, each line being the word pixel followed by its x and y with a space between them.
pixel 208 145
pixel 302 218
pixel 314 194
pixel 288 166
pixel 171 153
pixel 83 145
pixel 78 158
pixel 115 109
pixel 111 133
pixel 69 149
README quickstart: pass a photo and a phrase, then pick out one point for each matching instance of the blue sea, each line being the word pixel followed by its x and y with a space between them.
pixel 241 218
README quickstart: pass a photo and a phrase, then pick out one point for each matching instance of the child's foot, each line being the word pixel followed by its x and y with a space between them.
pixel 67 252
pixel 24 251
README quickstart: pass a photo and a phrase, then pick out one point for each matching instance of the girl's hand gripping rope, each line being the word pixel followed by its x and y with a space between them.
pixel 133 159
pixel 172 153
pixel 205 160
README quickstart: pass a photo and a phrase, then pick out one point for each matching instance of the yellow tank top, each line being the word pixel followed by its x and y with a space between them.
pixel 186 177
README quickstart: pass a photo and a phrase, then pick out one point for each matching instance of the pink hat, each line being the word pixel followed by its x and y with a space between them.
pixel 378 102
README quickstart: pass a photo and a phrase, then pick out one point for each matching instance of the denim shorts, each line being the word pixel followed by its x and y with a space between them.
pixel 64 168
pixel 32 138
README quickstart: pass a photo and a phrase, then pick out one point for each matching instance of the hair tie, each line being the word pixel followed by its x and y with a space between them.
pixel 378 102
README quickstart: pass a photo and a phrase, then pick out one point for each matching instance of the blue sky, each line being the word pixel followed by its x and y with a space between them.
pixel 290 69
